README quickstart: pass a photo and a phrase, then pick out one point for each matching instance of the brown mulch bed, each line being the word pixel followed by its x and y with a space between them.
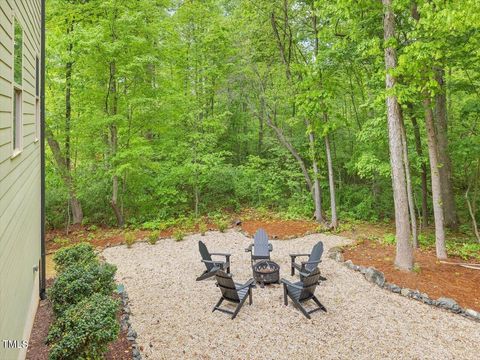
pixel 120 349
pixel 433 278
pixel 280 229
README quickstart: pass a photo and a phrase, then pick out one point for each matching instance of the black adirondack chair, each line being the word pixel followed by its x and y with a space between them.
pixel 306 267
pixel 261 248
pixel 212 265
pixel 233 292
pixel 303 291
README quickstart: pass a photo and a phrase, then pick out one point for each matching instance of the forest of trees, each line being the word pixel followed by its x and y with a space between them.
pixel 325 109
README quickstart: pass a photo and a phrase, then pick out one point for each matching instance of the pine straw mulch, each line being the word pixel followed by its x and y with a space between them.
pixel 432 277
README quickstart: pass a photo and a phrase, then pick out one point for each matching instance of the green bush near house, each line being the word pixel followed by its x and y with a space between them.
pixel 85 329
pixel 76 283
pixel 79 255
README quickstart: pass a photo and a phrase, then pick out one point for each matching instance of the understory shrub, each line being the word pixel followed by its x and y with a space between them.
pixel 178 235
pixel 80 254
pixel 153 237
pixel 76 283
pixel 85 329
pixel 129 239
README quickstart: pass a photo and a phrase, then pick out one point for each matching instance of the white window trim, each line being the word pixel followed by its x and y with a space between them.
pixel 16 151
pixel 37 100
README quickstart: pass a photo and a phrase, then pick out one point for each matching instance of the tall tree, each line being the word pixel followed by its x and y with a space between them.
pixel 404 255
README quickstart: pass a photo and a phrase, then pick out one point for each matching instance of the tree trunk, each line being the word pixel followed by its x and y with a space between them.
pixel 404 253
pixel 317 196
pixel 261 120
pixel 331 183
pixel 436 183
pixel 411 203
pixel 423 175
pixel 444 162
pixel 113 143
pixel 283 140
pixel 77 213
pixel 472 208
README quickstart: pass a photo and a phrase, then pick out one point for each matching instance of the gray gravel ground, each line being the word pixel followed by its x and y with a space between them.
pixel 172 313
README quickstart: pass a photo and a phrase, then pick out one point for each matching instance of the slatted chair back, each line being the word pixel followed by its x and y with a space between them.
pixel 315 255
pixel 205 255
pixel 227 286
pixel 260 244
pixel 309 284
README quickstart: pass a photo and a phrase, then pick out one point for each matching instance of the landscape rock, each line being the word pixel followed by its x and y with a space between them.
pixel 349 264
pixel 395 288
pixel 332 252
pixel 375 276
pixel 472 313
pixel 449 304
pixel 136 354
pixel 405 291
pixel 362 269
pixel 131 333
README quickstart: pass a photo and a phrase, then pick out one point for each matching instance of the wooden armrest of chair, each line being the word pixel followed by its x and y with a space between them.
pixel 286 282
pixel 293 256
pixel 247 284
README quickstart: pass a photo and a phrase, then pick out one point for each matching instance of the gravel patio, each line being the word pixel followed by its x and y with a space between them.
pixel 172 313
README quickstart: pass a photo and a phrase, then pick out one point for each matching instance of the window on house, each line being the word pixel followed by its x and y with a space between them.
pixel 17 120
pixel 37 99
pixel 17 124
pixel 18 53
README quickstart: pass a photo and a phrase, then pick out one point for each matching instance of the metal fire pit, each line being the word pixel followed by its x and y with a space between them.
pixel 266 272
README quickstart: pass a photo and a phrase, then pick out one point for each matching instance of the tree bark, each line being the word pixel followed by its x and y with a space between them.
pixel 284 141
pixel 472 209
pixel 76 207
pixel 411 203
pixel 436 182
pixel 317 196
pixel 331 183
pixel 404 253
pixel 423 175
pixel 114 143
pixel 444 162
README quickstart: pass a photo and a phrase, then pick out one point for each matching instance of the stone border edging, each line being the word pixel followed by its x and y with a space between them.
pixel 126 325
pixel 378 278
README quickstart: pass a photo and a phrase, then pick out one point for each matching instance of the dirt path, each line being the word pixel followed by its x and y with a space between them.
pixel 173 318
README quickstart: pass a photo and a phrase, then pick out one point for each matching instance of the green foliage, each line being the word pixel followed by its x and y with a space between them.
pixel 202 227
pixel 426 241
pixel 189 122
pixel 85 329
pixel 464 250
pixel 153 237
pixel 79 255
pixel 222 225
pixel 416 268
pixel 389 239
pixel 130 238
pixel 61 241
pixel 78 282
pixel 178 235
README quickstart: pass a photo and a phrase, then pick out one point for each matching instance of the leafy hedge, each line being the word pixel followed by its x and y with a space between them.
pixel 78 255
pixel 85 329
pixel 79 282
pixel 82 301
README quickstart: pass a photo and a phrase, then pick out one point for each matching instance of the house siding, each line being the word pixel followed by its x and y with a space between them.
pixel 20 207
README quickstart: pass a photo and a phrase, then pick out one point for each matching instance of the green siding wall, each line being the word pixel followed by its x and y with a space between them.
pixel 19 178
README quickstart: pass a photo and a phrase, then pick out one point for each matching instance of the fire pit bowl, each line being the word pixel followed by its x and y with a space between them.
pixel 266 272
